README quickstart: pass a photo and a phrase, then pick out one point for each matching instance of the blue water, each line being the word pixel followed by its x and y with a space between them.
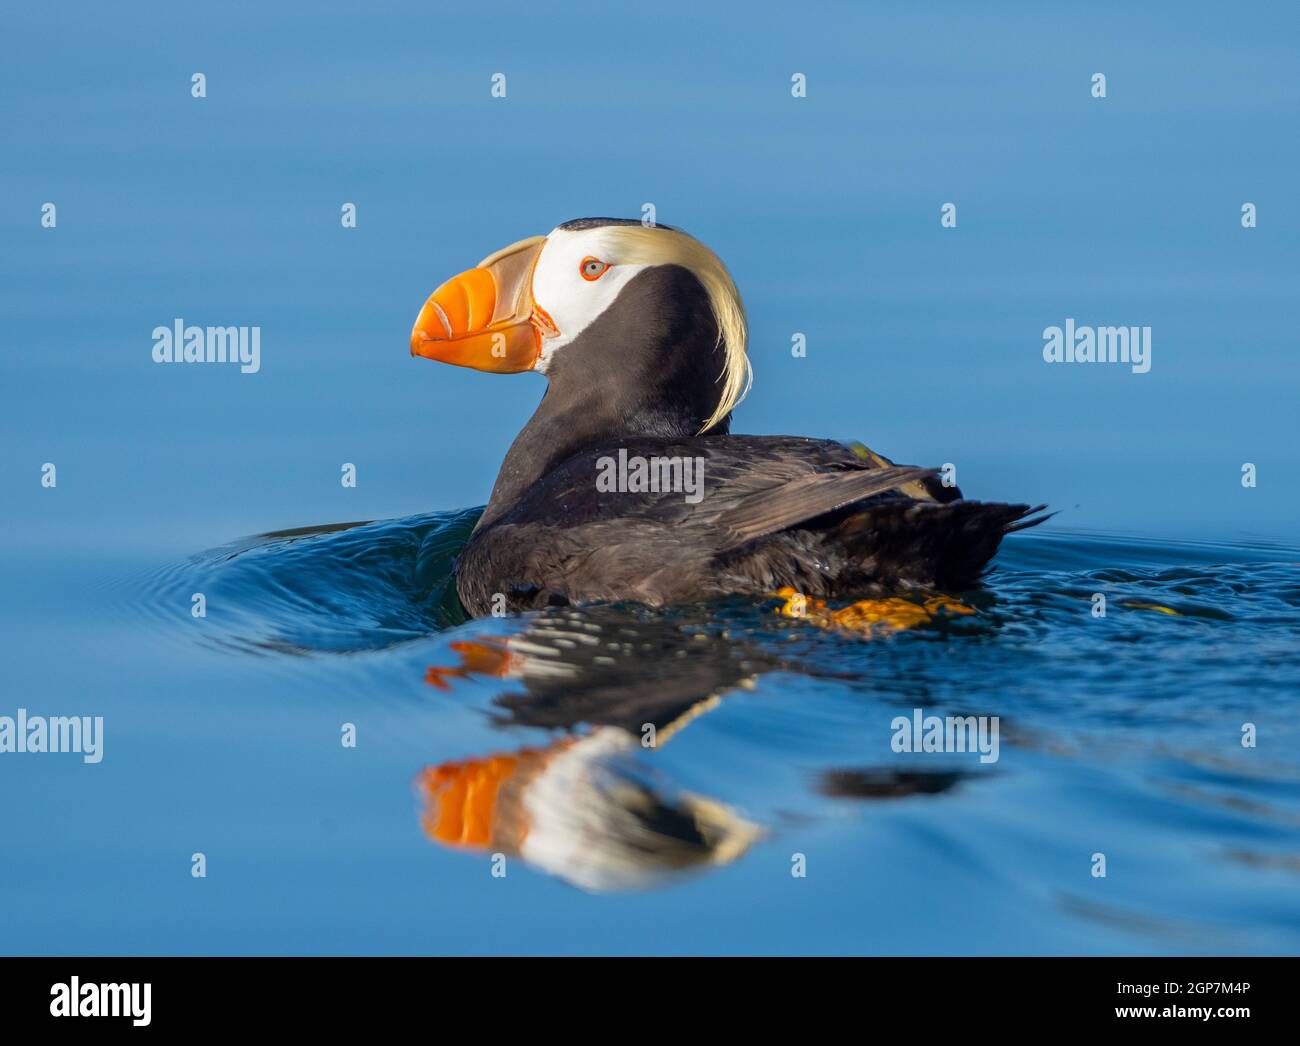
pixel 1120 735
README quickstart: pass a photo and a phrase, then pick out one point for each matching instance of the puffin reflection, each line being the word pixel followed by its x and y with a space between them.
pixel 587 807
pixel 617 684
pixel 611 666
pixel 583 810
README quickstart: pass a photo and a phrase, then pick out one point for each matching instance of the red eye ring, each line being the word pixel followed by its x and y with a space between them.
pixel 592 269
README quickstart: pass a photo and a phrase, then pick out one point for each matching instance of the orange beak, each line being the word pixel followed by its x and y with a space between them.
pixel 485 318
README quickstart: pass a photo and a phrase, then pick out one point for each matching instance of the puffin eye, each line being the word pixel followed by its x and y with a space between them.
pixel 592 268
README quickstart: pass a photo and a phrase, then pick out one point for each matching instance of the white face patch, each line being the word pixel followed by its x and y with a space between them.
pixel 559 287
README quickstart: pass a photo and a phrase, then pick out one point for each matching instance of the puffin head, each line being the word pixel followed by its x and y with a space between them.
pixel 620 317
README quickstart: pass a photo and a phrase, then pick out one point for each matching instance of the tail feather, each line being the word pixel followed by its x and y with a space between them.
pixel 1031 520
pixel 942 545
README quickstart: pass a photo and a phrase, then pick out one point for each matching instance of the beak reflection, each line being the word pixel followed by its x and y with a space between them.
pixel 582 810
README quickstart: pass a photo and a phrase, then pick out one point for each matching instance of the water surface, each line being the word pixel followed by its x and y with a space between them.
pixel 520 745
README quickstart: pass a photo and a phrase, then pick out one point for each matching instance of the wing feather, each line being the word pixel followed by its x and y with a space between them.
pixel 814 494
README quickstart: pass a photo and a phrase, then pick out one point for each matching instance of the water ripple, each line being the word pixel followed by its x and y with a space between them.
pixel 1132 719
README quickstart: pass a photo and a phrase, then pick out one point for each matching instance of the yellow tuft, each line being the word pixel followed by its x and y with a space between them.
pixel 655 245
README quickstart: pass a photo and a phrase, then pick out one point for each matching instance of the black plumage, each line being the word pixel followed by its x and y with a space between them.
pixel 821 517
pixel 778 511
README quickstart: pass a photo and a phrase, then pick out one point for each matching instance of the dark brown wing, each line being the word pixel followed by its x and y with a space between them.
pixel 771 509
pixel 792 501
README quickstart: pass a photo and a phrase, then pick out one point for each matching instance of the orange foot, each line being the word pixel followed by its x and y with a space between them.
pixel 867 615
pixel 476 658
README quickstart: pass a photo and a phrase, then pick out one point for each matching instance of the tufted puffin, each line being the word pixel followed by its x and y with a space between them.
pixel 641 334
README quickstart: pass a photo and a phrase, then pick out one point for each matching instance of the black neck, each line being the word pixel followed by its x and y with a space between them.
pixel 648 366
